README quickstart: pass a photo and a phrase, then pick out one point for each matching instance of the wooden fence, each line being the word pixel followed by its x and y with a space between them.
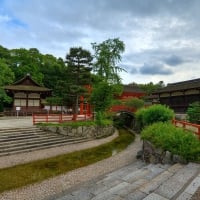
pixel 58 118
pixel 188 126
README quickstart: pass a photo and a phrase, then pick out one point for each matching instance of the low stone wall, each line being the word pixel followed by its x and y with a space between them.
pixel 150 154
pixel 81 131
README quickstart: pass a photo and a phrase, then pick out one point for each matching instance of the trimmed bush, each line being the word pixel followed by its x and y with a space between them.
pixel 139 118
pixel 153 114
pixel 175 140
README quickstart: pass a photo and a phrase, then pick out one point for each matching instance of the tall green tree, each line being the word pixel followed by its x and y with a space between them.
pixel 6 77
pixel 79 63
pixel 53 70
pixel 23 61
pixel 107 55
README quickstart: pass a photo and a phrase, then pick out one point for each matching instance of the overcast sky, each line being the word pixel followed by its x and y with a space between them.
pixel 162 37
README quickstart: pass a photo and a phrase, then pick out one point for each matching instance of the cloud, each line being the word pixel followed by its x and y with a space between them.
pixel 161 33
pixel 174 60
pixel 155 69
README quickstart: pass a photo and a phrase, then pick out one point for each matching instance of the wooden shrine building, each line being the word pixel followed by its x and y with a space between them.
pixel 179 95
pixel 27 95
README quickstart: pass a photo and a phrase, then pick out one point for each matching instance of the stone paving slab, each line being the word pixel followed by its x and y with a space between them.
pixel 191 189
pixel 173 185
pixel 151 186
pixel 136 195
pixel 154 196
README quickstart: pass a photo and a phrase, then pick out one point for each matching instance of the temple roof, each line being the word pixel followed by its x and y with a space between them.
pixel 180 86
pixel 26 84
pixel 132 88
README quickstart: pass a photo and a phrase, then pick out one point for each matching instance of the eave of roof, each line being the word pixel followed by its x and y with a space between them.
pixel 26 88
pixel 133 89
pixel 180 86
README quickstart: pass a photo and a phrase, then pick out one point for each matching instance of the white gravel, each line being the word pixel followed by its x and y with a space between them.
pixel 60 183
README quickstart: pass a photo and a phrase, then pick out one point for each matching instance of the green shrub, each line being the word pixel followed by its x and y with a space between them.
pixel 152 114
pixel 176 140
pixel 193 112
pixel 139 118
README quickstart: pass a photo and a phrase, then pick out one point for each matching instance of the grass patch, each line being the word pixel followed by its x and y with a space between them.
pixel 37 171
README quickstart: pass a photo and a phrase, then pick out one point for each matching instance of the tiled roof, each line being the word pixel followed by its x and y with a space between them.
pixel 184 85
pixel 130 88
pixel 26 88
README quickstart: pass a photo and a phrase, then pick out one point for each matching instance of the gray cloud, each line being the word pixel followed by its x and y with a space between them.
pixel 174 60
pixel 153 69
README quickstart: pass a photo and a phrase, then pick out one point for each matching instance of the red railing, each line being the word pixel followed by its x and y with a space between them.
pixel 195 128
pixel 59 118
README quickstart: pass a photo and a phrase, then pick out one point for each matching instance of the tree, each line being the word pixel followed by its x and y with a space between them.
pixel 23 61
pixel 193 112
pixel 53 70
pixel 107 55
pixel 149 88
pixel 6 77
pixel 78 74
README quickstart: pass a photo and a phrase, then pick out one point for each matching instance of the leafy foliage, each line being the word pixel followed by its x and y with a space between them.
pixel 78 73
pixel 6 77
pixel 152 114
pixel 193 112
pixel 176 140
pixel 102 96
pixel 134 103
pixel 149 88
pixel 107 55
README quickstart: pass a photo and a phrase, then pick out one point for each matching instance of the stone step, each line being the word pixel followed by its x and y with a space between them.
pixel 13 130
pixel 170 188
pixel 38 140
pixel 139 181
pixel 18 132
pixel 33 147
pixel 23 137
pixel 31 138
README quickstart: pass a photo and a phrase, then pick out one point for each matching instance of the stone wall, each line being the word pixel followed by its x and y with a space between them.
pixel 151 154
pixel 81 131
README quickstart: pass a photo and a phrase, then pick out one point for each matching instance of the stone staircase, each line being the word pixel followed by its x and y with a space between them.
pixel 140 181
pixel 19 140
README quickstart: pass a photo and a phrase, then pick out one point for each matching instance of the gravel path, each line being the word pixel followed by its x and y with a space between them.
pixel 63 182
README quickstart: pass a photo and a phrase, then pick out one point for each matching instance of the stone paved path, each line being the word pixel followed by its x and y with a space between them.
pixel 139 181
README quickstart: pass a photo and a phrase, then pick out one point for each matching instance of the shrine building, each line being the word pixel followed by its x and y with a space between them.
pixel 179 95
pixel 28 96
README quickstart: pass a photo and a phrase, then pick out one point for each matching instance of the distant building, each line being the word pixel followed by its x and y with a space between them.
pixel 129 91
pixel 28 96
pixel 179 95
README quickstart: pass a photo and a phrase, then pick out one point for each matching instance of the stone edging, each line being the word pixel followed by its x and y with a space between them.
pixel 81 131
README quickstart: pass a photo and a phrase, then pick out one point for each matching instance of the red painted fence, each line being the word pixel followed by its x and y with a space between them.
pixel 188 126
pixel 59 118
